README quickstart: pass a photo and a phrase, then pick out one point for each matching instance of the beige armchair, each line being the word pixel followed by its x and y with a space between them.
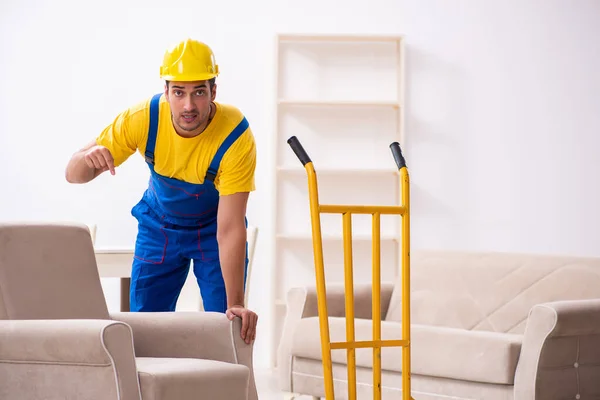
pixel 59 341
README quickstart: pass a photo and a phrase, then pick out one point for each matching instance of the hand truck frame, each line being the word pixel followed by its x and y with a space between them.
pixel 351 344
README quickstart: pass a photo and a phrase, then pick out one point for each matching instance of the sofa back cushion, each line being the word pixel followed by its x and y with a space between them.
pixel 488 290
pixel 49 271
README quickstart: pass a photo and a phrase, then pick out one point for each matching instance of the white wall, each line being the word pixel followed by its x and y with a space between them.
pixel 503 101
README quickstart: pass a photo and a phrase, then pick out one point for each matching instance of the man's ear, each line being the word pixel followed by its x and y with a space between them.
pixel 213 92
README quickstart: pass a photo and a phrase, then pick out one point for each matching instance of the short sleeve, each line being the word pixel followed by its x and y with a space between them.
pixel 236 173
pixel 120 137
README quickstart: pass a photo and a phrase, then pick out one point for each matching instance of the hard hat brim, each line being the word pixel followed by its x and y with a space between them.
pixel 189 78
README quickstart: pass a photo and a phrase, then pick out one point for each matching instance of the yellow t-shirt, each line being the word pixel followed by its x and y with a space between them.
pixel 186 159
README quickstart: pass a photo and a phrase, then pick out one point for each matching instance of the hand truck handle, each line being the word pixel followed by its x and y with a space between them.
pixel 397 153
pixel 299 150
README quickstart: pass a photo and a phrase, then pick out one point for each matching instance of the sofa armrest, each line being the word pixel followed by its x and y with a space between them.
pixel 205 335
pixel 47 347
pixel 560 356
pixel 302 303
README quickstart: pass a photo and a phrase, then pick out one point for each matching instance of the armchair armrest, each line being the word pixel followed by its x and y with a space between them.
pixel 205 335
pixel 100 352
pixel 302 303
pixel 561 351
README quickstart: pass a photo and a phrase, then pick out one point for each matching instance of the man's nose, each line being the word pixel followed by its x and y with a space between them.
pixel 188 104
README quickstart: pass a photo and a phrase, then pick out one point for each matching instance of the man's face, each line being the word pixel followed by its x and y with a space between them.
pixel 190 105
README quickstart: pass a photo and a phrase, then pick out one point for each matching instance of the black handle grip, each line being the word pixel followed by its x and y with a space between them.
pixel 299 150
pixel 397 153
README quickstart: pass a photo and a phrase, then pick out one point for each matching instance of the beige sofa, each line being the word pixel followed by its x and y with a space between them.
pixel 59 341
pixel 484 326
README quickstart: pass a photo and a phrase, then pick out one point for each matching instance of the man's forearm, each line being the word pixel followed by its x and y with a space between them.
pixel 232 254
pixel 78 171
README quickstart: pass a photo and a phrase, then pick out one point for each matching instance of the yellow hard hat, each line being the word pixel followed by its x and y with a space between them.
pixel 189 60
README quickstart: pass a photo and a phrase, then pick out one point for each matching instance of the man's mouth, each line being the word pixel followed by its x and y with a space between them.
pixel 189 117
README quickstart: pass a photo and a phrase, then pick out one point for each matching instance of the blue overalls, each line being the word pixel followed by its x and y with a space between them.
pixel 177 222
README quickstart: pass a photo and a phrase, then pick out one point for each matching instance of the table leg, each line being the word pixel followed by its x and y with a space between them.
pixel 125 283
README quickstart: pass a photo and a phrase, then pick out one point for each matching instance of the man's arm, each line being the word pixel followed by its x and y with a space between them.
pixel 231 236
pixel 117 142
pixel 89 162
pixel 234 182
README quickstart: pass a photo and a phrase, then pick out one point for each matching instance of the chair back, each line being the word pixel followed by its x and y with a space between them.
pixel 49 271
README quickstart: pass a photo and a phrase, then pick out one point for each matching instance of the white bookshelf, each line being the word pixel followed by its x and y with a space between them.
pixel 342 96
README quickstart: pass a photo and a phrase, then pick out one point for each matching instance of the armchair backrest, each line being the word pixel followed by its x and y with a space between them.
pixel 48 271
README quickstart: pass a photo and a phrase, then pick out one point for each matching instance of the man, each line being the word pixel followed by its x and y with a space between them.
pixel 202 156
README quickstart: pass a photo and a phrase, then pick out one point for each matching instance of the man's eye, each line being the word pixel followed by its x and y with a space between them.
pixel 200 93
pixel 177 93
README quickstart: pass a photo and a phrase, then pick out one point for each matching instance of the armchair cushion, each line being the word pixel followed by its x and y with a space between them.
pixel 191 379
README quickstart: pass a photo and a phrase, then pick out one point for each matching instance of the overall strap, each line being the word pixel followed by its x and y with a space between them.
pixel 233 136
pixel 153 128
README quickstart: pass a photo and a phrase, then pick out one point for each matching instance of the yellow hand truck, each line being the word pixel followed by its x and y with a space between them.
pixel 351 344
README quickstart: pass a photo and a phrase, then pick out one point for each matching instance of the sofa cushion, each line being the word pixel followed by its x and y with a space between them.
pixel 188 378
pixel 443 352
pixel 491 291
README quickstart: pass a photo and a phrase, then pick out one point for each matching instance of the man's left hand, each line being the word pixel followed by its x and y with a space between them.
pixel 249 320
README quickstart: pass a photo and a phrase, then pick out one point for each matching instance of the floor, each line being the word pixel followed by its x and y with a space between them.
pixel 266 385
